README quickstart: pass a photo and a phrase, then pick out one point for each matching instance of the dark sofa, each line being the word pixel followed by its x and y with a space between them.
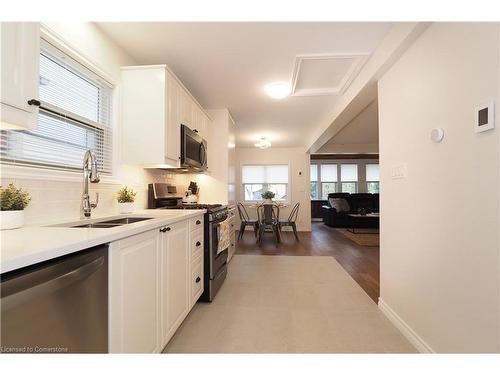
pixel 367 201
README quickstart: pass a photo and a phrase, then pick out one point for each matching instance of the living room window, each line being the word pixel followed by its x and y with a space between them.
pixel 328 179
pixel 324 180
pixel 372 178
pixel 349 178
pixel 75 115
pixel 257 179
pixel 314 181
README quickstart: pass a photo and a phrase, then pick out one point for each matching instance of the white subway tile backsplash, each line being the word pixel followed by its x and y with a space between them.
pixel 59 200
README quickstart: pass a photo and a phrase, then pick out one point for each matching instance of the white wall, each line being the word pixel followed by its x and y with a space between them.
pixel 298 160
pixel 439 226
pixel 57 196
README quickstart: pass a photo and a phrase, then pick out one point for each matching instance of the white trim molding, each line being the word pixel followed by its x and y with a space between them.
pixel 359 60
pixel 404 328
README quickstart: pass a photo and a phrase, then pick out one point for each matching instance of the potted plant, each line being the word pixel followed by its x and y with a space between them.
pixel 126 198
pixel 268 196
pixel 12 203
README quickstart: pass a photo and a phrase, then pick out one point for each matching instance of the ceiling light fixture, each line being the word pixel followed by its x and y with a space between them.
pixel 278 90
pixel 263 143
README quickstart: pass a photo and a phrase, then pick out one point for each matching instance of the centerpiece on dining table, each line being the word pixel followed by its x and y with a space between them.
pixel 268 197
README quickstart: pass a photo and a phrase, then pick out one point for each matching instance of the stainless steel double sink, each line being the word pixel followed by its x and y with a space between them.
pixel 108 223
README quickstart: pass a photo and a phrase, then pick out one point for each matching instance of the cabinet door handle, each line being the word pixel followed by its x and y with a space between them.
pixel 198 222
pixel 198 279
pixel 163 230
pixel 198 243
pixel 195 130
pixel 34 102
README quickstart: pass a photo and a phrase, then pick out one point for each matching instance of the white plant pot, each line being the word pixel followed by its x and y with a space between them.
pixel 268 201
pixel 126 208
pixel 11 219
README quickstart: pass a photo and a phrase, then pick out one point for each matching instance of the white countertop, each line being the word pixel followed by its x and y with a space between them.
pixel 33 244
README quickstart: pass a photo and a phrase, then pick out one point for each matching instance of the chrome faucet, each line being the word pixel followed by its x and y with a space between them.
pixel 89 173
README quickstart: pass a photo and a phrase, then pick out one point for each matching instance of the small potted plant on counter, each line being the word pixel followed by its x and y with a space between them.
pixel 13 201
pixel 268 197
pixel 126 198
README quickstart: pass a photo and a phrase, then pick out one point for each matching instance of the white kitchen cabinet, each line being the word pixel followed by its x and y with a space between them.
pixel 173 128
pixel 187 108
pixel 134 290
pixel 154 104
pixel 20 60
pixel 175 277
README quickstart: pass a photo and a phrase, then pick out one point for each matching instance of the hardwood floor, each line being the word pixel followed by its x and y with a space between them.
pixel 361 262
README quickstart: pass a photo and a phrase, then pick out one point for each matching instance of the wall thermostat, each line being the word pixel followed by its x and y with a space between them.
pixel 484 116
pixel 437 134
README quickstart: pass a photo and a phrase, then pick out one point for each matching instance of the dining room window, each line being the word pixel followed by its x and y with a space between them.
pixel 256 179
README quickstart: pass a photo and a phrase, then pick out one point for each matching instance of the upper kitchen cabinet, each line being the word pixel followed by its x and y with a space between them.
pixel 20 51
pixel 154 104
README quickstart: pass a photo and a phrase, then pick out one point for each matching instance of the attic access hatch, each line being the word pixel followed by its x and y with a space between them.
pixel 325 74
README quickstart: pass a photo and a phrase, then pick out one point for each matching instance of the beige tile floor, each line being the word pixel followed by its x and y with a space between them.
pixel 288 304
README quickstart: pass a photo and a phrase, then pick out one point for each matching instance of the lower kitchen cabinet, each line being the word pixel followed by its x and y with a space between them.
pixel 174 277
pixel 134 294
pixel 155 278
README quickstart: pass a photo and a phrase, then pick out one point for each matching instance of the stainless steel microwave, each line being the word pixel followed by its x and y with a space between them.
pixel 193 150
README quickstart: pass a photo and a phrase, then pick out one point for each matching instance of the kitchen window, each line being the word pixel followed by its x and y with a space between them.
pixel 75 115
pixel 372 178
pixel 257 179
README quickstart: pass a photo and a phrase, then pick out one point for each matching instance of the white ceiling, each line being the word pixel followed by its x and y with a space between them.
pixel 362 129
pixel 226 65
pixel 360 135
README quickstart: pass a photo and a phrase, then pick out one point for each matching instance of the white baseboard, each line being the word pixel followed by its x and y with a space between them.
pixel 404 328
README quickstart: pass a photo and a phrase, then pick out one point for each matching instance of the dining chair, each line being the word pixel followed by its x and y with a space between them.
pixel 246 221
pixel 268 217
pixel 291 221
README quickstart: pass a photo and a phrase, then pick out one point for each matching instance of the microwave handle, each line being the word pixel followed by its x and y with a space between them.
pixel 202 147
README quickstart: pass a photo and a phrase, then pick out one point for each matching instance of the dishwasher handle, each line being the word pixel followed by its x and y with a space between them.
pixel 15 292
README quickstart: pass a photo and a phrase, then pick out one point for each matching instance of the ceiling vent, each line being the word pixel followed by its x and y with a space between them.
pixel 325 74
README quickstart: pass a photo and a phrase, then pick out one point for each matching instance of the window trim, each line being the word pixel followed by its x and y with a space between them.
pixel 242 184
pixel 18 171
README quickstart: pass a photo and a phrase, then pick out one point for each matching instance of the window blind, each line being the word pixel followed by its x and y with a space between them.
pixel 75 116
pixel 329 172
pixel 264 174
pixel 372 172
pixel 349 172
pixel 314 172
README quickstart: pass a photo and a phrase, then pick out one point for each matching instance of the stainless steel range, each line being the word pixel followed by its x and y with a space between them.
pixel 163 196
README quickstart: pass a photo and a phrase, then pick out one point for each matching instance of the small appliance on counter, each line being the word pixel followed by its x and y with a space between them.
pixel 215 257
pixel 161 195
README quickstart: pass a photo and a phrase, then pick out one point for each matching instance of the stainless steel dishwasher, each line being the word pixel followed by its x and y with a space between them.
pixel 58 306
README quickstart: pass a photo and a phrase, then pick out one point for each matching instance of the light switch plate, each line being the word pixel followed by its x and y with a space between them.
pixel 399 171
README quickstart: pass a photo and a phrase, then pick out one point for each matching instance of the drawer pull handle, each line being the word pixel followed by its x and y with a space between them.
pixel 198 222
pixel 34 102
pixel 163 230
pixel 198 243
pixel 198 279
